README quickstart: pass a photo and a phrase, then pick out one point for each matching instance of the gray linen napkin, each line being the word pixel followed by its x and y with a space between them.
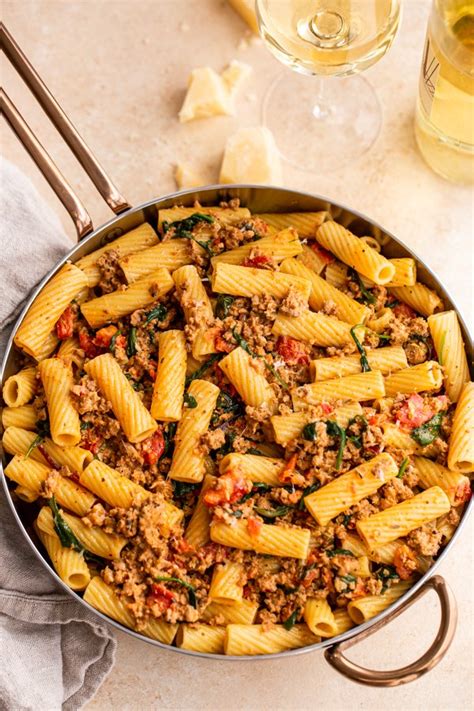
pixel 55 654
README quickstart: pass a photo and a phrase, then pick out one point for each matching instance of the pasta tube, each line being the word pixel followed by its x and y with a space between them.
pixel 68 563
pixel 102 597
pixel 397 521
pixel 19 441
pixel 287 427
pixel 418 378
pixel 227 584
pixel 387 360
pixel 319 617
pixel 197 308
pixel 279 246
pixel 242 613
pixel 364 608
pixel 197 531
pixel 201 638
pixel 252 386
pixel 454 484
pixel 120 303
pixel 348 489
pixel 57 379
pixel 448 342
pixel 315 328
pixel 256 639
pixel 168 390
pixel 20 387
pixel 169 255
pixel 348 310
pixel 32 475
pixel 246 281
pixel 305 223
pixel 270 540
pixel 226 216
pixel 188 463
pixel 354 252
pixel 360 387
pixel 133 241
pixel 23 416
pixel 110 486
pixel 254 467
pixel 419 297
pixel 46 309
pixel 461 441
pixel 134 418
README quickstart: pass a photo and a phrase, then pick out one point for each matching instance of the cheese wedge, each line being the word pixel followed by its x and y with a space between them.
pixel 251 156
pixel 207 95
pixel 246 10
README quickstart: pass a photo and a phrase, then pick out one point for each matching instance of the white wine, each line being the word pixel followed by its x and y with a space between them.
pixel 328 37
pixel 444 125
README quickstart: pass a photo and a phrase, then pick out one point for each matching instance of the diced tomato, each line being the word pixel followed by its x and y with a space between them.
pixel 91 441
pixel 326 408
pixel 49 461
pixel 404 562
pixel 359 590
pixel 184 547
pixel 292 351
pixel 153 447
pixel 328 579
pixel 289 473
pixel 230 487
pixel 326 256
pixel 65 324
pixel 221 382
pixel 254 526
pixel 377 420
pixel 151 369
pixel 260 261
pixel 104 336
pixel 463 493
pixel 404 310
pixel 161 596
pixel 87 344
pixel 414 412
pixel 220 344
pixel 309 577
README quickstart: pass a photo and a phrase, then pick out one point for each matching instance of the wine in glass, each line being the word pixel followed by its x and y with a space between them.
pixel 320 125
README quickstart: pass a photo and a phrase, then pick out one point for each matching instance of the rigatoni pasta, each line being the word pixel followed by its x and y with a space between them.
pixel 267 449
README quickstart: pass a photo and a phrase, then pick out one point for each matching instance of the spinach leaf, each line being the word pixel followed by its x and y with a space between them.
pixel 159 313
pixel 190 401
pixel 226 405
pixel 306 492
pixel 240 340
pixel 43 428
pixel 183 488
pixel 367 296
pixel 364 363
pixel 66 534
pixel 309 432
pixel 86 426
pixel 228 444
pixel 291 621
pixel 386 573
pixel 255 451
pixel 113 339
pixel 168 436
pixel 35 443
pixel 348 579
pixel 183 228
pixel 427 433
pixel 426 340
pixel 403 467
pixel 392 304
pixel 190 588
pixel 224 302
pixel 205 366
pixel 339 551
pixel 206 245
pixel 334 430
pixel 272 513
pixel 237 513
pixel 132 342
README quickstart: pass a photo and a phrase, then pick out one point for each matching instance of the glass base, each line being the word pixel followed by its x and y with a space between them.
pixel 321 124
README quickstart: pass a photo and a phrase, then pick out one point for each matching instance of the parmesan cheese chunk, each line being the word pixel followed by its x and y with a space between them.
pixel 246 10
pixel 211 94
pixel 207 95
pixel 251 156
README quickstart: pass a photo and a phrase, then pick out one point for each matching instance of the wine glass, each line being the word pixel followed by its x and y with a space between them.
pixel 319 126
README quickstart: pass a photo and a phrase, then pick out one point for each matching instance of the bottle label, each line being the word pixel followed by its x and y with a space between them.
pixel 430 69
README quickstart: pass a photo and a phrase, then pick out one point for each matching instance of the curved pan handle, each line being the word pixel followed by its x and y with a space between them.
pixel 334 655
pixel 68 132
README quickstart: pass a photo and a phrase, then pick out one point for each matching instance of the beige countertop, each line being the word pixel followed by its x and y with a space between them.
pixel 119 69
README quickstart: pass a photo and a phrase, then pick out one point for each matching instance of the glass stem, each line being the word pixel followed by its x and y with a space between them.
pixel 322 108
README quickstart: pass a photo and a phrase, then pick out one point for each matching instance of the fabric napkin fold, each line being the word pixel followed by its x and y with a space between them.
pixel 55 654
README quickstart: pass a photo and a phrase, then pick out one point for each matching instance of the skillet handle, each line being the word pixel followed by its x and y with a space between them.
pixel 334 655
pixel 67 131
